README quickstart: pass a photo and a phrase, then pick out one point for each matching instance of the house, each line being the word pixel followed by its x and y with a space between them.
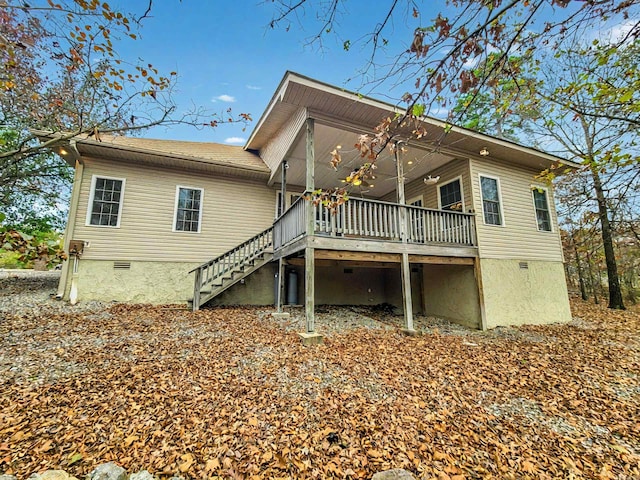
pixel 459 228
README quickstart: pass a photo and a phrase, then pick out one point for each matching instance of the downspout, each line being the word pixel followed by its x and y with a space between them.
pixel 71 220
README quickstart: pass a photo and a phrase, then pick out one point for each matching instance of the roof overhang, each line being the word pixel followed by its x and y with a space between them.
pixel 362 113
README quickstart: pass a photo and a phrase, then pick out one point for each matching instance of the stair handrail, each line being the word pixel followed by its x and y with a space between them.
pixel 207 272
pixel 236 248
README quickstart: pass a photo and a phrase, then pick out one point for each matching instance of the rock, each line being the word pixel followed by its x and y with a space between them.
pixel 141 475
pixel 395 474
pixel 7 477
pixel 52 475
pixel 108 471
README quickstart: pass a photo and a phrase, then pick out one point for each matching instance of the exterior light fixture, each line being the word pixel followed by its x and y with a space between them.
pixel 431 180
pixel 484 152
pixel 410 162
pixel 63 151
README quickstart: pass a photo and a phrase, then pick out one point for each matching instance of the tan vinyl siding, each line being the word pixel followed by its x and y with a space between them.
pixel 233 210
pixel 518 237
pixel 274 151
pixel 450 171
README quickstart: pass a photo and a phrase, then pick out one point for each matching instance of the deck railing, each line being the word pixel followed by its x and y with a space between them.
pixel 291 224
pixel 360 218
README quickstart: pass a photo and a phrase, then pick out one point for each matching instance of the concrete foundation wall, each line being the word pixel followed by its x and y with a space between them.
pixel 257 289
pixel 144 282
pixel 518 296
pixel 345 285
pixel 451 292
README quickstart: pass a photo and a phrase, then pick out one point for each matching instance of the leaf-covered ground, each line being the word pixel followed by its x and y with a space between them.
pixel 230 393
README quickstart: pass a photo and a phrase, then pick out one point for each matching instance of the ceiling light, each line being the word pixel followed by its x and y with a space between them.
pixel 484 152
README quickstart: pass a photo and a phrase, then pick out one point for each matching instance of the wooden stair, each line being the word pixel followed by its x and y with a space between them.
pixel 217 275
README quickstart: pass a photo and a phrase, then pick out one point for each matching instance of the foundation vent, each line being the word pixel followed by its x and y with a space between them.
pixel 348 270
pixel 121 265
pixel 524 265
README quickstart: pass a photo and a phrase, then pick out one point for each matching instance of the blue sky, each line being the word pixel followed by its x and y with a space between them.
pixel 227 56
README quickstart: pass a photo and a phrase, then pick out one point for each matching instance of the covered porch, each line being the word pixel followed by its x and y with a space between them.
pixel 375 228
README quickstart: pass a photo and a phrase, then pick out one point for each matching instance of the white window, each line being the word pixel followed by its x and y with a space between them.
pixel 188 212
pixel 491 201
pixel 105 201
pixel 450 196
pixel 541 204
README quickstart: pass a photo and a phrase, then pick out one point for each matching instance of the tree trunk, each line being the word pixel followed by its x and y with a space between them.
pixel 615 293
pixel 592 281
pixel 583 289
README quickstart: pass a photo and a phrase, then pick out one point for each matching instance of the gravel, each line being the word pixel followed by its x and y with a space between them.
pixel 33 292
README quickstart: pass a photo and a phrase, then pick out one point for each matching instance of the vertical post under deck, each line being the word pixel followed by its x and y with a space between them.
pixel 283 205
pixel 310 337
pixel 404 233
pixel 309 290
pixel 280 288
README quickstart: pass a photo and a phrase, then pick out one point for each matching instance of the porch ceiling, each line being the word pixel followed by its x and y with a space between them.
pixel 418 162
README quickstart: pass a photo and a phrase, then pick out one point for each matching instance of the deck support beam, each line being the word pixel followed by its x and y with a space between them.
pixel 283 207
pixel 407 304
pixel 310 337
pixel 280 287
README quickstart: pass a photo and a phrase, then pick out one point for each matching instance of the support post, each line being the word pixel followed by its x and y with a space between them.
pixel 309 289
pixel 280 289
pixel 406 295
pixel 310 179
pixel 406 266
pixel 197 284
pixel 283 187
pixel 310 337
pixel 283 205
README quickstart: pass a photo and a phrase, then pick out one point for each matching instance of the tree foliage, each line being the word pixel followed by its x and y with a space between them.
pixel 61 73
pixel 436 62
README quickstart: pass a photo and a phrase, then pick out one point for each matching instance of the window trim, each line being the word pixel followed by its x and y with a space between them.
pixel 535 209
pixel 175 209
pixel 500 201
pixel 413 200
pixel 92 193
pixel 459 178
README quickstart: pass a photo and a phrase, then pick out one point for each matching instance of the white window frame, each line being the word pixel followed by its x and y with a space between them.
pixel 535 209
pixel 175 209
pixel 411 201
pixel 94 179
pixel 459 179
pixel 497 179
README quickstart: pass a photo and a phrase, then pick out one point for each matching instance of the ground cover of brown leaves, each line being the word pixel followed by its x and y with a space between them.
pixel 230 393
